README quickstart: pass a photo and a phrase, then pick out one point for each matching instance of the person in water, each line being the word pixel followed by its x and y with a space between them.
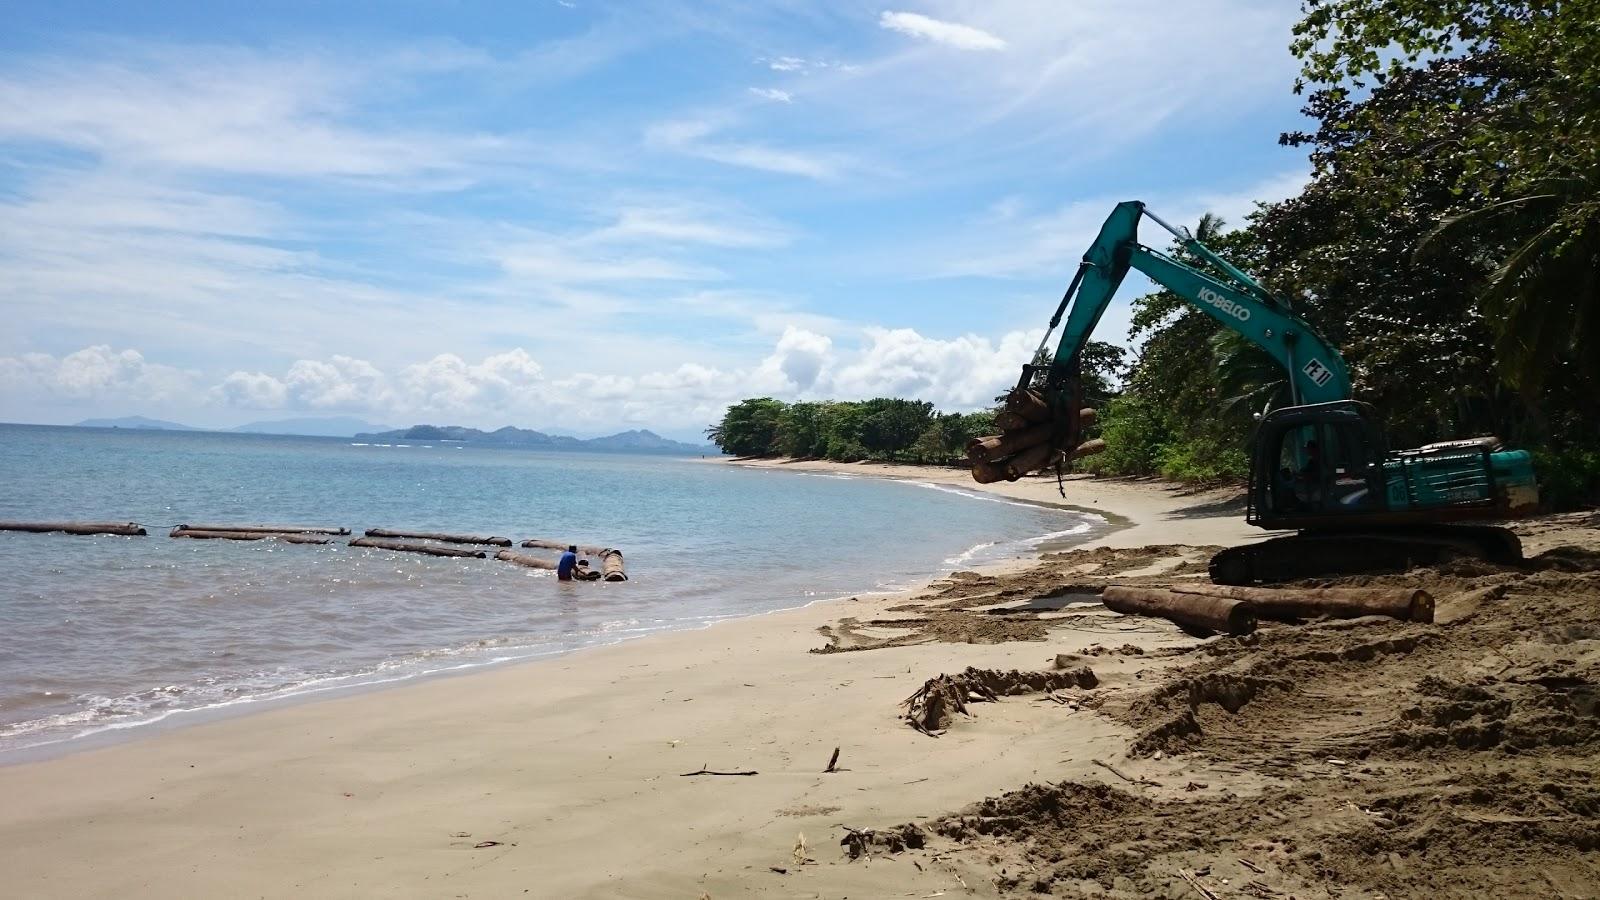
pixel 569 561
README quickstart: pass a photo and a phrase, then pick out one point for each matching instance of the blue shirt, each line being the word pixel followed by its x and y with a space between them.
pixel 569 561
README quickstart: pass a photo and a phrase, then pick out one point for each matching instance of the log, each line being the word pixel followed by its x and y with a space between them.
pixel 270 529
pixel 1289 604
pixel 611 566
pixel 562 545
pixel 440 536
pixel 405 547
pixel 1029 405
pixel 1088 448
pixel 1006 420
pixel 1030 460
pixel 290 537
pixel 523 559
pixel 1199 612
pixel 127 529
pixel 987 472
pixel 1000 446
pixel 1086 416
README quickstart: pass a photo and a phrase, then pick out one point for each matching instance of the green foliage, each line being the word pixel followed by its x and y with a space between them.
pixel 1568 477
pixel 749 428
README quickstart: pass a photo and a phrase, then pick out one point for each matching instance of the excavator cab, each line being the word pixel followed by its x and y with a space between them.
pixel 1323 469
pixel 1316 463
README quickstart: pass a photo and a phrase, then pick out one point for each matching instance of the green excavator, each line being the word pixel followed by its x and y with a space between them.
pixel 1319 466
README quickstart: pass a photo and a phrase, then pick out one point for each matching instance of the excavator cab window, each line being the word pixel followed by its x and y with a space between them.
pixel 1324 467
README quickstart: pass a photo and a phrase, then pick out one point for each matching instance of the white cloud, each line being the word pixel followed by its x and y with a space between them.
pixel 512 387
pixel 224 110
pixel 773 94
pixel 684 223
pixel 952 34
pixel 692 137
pixel 961 373
pixel 91 374
pixel 251 390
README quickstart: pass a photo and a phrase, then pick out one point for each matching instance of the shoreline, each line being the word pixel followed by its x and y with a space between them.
pixel 391 790
pixel 357 684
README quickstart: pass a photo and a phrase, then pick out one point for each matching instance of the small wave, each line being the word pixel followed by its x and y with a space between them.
pixel 361 445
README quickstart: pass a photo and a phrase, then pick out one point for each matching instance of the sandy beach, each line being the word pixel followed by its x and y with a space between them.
pixel 571 777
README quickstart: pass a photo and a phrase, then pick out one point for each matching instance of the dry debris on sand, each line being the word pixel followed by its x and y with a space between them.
pixel 1340 758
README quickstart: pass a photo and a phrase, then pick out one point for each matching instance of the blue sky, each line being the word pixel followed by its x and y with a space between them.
pixel 589 216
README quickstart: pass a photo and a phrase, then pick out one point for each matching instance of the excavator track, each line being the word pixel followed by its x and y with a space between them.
pixel 1310 554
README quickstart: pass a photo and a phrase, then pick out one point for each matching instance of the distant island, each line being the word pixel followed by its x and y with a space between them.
pixel 637 441
pixel 137 422
pixel 328 426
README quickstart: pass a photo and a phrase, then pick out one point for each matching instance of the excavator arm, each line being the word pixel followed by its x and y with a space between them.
pixel 1317 372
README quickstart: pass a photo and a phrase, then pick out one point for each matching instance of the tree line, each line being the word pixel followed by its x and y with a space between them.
pixel 1448 242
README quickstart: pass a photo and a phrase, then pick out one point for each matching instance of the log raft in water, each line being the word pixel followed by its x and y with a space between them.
pixel 1289 604
pixel 1201 612
pixel 408 547
pixel 439 536
pixel 611 566
pixel 270 529
pixel 126 529
pixel 216 534
pixel 543 544
pixel 524 559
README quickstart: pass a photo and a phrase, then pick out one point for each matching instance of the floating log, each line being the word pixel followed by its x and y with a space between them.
pixel 1000 446
pixel 1200 612
pixel 127 529
pixel 441 536
pixel 1288 604
pixel 611 566
pixel 1029 405
pixel 271 529
pixel 406 547
pixel 523 559
pixel 289 537
pixel 562 545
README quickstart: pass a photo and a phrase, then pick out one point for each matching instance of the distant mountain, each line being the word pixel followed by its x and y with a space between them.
pixel 137 422
pixel 509 436
pixel 330 426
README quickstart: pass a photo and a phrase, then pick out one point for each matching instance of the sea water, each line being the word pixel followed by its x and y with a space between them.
pixel 106 633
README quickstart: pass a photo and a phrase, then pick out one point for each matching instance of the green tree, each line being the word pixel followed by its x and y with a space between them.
pixel 1524 172
pixel 891 425
pixel 749 428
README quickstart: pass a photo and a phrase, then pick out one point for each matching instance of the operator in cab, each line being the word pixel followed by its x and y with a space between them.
pixel 569 561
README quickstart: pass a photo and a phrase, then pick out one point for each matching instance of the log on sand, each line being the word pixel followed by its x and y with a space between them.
pixel 523 559
pixel 1200 612
pixel 127 529
pixel 562 545
pixel 290 537
pixel 271 529
pixel 1289 604
pixel 440 536
pixel 407 547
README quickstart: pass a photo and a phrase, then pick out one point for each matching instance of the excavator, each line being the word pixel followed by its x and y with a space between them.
pixel 1319 466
